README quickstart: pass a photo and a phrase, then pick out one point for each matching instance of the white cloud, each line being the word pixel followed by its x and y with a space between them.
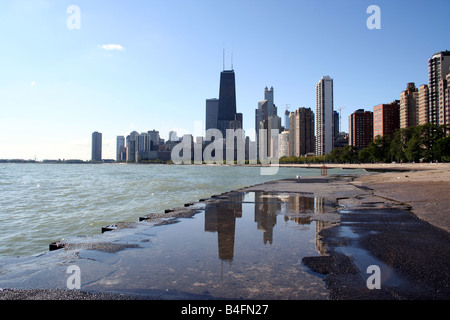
pixel 110 47
pixel 33 83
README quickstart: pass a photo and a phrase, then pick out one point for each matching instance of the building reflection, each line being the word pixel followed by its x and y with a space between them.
pixel 221 217
pixel 300 209
pixel 266 210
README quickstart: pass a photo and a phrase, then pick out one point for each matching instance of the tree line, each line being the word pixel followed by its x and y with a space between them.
pixel 424 143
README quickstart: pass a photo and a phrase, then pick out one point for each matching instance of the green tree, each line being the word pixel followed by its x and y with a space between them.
pixel 413 152
pixel 428 134
pixel 366 155
pixel 399 143
pixel 441 149
pixel 381 149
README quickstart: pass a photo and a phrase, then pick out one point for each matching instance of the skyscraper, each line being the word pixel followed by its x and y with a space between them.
pixel 360 126
pixel 424 105
pixel 438 68
pixel 409 105
pixel 221 113
pixel 266 118
pixel 212 113
pixel 131 146
pixel 336 128
pixel 155 140
pixel 324 116
pixel 386 119
pixel 120 148
pixel 286 119
pixel 283 144
pixel 173 136
pixel 266 109
pixel 301 132
pixel 142 146
pixel 96 146
pixel 227 101
pixel 447 97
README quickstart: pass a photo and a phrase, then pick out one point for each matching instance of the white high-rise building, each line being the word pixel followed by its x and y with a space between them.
pixel 324 116
pixel 283 144
pixel 173 136
pixel 438 68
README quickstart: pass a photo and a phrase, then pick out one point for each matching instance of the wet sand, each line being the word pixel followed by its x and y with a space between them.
pixel 395 220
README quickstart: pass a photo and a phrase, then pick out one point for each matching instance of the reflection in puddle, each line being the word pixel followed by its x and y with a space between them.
pixel 246 246
pixel 363 259
pixel 265 208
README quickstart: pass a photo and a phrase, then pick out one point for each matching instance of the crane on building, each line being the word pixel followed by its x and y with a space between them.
pixel 340 115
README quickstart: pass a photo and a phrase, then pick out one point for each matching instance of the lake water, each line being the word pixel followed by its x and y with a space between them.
pixel 43 203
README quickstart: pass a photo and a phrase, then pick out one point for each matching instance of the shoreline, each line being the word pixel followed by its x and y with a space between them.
pixel 362 194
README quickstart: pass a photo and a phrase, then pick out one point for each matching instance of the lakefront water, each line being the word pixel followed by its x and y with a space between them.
pixel 43 203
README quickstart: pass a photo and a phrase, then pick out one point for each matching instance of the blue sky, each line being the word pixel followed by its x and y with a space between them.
pixel 151 64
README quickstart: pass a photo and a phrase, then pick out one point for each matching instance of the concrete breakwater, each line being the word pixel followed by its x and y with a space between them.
pixel 311 238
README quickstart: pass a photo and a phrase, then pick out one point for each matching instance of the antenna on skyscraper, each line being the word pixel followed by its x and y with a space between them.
pixel 231 59
pixel 223 57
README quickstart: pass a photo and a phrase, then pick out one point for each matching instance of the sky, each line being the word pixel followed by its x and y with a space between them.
pixel 117 66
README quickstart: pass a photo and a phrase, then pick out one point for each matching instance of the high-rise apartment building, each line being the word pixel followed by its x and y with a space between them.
pixel 131 146
pixel 324 116
pixel 283 144
pixel 120 149
pixel 424 105
pixel 360 126
pixel 146 144
pixel 447 97
pixel 173 136
pixel 142 145
pixel 438 68
pixel 96 146
pixel 301 132
pixel 155 140
pixel 335 124
pixel 409 106
pixel 386 119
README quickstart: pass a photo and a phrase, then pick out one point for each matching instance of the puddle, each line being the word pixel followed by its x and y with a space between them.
pixel 348 232
pixel 362 260
pixel 247 246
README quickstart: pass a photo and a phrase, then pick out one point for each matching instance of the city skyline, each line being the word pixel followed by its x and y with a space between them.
pixel 135 67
